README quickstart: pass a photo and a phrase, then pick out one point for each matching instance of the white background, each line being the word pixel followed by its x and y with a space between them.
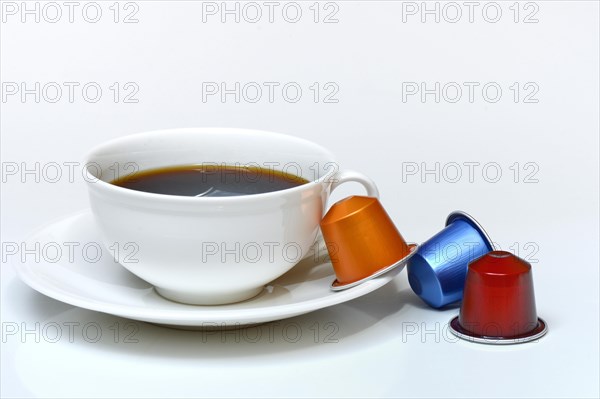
pixel 368 54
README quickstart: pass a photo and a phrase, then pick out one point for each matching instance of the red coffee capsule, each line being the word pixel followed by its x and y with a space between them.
pixel 498 305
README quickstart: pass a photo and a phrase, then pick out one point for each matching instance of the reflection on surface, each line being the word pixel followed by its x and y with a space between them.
pixel 98 341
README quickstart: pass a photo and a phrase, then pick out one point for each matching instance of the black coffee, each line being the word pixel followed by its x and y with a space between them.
pixel 209 180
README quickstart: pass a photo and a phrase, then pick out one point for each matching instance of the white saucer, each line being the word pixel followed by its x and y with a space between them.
pixel 105 286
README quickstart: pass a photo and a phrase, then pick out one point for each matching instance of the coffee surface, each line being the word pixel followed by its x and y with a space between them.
pixel 209 180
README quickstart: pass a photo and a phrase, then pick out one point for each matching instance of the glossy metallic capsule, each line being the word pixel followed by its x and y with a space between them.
pixel 499 302
pixel 437 271
pixel 362 241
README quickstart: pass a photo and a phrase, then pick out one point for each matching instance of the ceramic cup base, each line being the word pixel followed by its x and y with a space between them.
pixel 195 299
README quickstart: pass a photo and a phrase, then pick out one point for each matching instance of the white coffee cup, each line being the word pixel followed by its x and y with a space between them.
pixel 211 250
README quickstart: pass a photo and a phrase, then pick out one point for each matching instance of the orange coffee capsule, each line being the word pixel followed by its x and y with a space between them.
pixel 362 241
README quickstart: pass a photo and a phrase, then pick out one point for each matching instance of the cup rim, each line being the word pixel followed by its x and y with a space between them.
pixel 111 188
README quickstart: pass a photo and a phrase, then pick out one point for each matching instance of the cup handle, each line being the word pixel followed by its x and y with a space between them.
pixel 350 175
pixel 337 180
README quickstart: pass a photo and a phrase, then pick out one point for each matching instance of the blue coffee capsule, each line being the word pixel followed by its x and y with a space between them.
pixel 438 270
